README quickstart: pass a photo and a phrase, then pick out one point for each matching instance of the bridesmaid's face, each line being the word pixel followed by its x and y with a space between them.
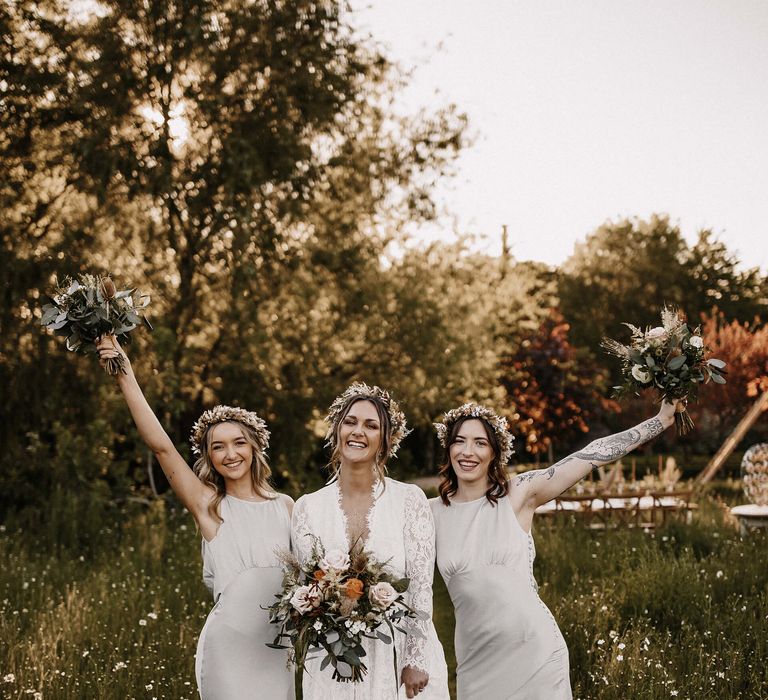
pixel 471 452
pixel 231 454
pixel 360 433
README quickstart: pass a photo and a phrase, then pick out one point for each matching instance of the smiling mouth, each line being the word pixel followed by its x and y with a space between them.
pixel 232 465
pixel 467 466
pixel 356 445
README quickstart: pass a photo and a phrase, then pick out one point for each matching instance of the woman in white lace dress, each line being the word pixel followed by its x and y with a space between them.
pixel 392 520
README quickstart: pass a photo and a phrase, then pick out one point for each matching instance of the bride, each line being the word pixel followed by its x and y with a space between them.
pixel 361 506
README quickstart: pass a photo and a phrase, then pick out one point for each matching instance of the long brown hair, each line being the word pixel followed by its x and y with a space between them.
pixel 380 465
pixel 497 475
pixel 260 471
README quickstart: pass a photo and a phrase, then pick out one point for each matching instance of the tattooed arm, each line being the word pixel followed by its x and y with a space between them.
pixel 542 485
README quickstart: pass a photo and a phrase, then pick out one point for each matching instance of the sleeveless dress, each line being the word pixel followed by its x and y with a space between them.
pixel 242 571
pixel 508 645
pixel 401 533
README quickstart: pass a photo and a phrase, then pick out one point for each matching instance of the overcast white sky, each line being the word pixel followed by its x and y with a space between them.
pixel 587 110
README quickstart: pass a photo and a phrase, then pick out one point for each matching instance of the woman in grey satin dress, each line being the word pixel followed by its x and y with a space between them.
pixel 508 645
pixel 242 522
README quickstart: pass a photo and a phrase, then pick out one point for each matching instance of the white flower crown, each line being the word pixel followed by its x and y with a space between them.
pixel 222 414
pixel 473 410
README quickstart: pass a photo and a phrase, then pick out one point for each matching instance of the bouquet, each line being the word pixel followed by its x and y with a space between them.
pixel 89 307
pixel 330 603
pixel 670 358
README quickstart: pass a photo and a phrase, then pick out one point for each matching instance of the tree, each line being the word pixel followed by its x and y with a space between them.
pixel 553 392
pixel 241 162
pixel 744 347
pixel 627 271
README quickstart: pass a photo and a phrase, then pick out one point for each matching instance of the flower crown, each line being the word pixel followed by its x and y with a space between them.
pixel 473 410
pixel 222 414
pixel 360 390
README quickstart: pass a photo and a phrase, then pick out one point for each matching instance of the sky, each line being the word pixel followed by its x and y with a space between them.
pixel 583 111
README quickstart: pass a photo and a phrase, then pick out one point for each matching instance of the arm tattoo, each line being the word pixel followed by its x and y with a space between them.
pixel 604 450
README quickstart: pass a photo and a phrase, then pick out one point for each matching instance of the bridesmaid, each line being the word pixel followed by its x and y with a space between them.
pixel 508 645
pixel 242 522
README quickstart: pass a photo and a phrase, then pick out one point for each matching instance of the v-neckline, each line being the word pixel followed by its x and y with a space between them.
pixel 368 516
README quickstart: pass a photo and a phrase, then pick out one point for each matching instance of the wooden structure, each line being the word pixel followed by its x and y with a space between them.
pixel 732 441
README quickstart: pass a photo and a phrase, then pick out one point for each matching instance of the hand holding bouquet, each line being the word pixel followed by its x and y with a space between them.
pixel 330 603
pixel 670 358
pixel 85 309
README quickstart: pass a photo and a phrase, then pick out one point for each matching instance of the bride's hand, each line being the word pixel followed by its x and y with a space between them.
pixel 109 348
pixel 414 681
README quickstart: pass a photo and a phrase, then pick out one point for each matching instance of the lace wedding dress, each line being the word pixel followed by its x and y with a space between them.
pixel 401 533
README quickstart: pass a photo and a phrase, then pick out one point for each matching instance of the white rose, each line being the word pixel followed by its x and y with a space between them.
pixel 382 595
pixel 641 374
pixel 335 559
pixel 696 341
pixel 305 599
pixel 656 333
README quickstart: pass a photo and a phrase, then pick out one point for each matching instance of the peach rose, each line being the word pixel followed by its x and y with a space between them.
pixel 354 588
pixel 319 575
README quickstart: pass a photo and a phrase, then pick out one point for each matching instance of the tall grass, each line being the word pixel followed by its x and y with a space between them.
pixel 105 602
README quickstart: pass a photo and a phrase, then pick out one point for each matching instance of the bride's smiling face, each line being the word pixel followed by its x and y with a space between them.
pixel 360 433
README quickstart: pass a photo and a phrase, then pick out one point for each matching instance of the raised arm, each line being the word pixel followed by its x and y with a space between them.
pixel 191 491
pixel 542 485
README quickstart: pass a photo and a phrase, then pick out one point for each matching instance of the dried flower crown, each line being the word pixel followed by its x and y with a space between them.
pixel 360 390
pixel 473 410
pixel 222 414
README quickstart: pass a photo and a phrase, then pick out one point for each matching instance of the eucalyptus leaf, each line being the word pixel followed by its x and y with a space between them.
pixel 344 669
pixel 717 378
pixel 716 363
pixel 676 362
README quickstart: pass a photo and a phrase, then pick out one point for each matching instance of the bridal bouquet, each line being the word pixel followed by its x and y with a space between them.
pixel 330 603
pixel 89 307
pixel 671 358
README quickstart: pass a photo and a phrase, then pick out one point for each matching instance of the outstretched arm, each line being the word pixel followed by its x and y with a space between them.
pixel 191 491
pixel 542 485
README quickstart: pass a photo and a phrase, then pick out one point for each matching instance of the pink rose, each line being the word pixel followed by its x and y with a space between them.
pixel 336 560
pixel 382 595
pixel 305 599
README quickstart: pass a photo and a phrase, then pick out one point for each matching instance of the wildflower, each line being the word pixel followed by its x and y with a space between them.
pixel 600 642
pixel 622 646
pixel 120 665
pixel 719 574
pixel 142 623
pixel 152 616
pixel 9 678
pixel 620 657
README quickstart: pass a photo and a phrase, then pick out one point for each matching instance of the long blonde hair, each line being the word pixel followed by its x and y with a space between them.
pixel 260 471
pixel 380 464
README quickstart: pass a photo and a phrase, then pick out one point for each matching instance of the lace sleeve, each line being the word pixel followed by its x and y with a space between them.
pixel 419 534
pixel 300 543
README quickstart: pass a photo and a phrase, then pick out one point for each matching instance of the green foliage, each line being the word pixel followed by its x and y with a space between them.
pixel 631 269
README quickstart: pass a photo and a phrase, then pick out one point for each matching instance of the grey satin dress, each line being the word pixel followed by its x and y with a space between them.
pixel 241 569
pixel 508 645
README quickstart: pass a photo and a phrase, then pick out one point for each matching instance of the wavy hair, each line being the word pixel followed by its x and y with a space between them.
pixel 206 472
pixel 497 474
pixel 380 465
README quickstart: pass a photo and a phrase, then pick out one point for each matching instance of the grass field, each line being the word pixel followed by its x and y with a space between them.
pixel 106 602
